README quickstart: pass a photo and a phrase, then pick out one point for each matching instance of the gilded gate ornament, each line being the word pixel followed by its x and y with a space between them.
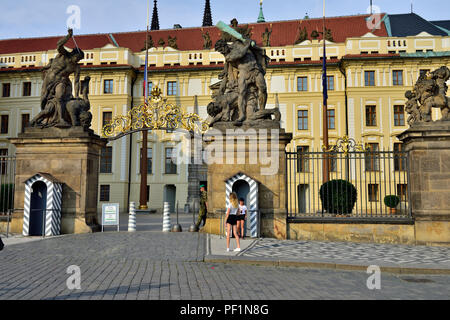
pixel 156 114
pixel 347 145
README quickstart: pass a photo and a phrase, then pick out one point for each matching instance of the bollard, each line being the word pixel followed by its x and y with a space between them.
pixel 7 226
pixel 166 219
pixel 193 227
pixel 132 218
pixel 177 227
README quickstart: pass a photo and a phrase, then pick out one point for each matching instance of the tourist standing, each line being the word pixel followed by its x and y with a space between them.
pixel 231 221
pixel 242 217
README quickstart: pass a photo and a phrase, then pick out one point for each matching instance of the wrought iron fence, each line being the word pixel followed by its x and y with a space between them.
pixel 364 186
pixel 7 175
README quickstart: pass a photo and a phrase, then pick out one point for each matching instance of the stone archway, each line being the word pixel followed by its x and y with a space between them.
pixel 252 199
pixel 52 204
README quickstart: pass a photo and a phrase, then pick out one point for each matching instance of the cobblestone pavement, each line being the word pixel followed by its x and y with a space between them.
pixel 153 265
pixel 354 253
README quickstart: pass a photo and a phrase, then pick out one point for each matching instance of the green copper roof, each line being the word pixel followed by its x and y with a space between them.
pixel 261 15
pixel 387 23
pixel 430 54
pixel 443 29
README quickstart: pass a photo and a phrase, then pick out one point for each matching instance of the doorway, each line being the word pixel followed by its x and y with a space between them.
pixel 246 188
pixel 170 196
pixel 242 189
pixel 38 207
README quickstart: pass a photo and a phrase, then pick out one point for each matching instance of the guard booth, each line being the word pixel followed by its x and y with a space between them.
pixel 246 188
pixel 42 206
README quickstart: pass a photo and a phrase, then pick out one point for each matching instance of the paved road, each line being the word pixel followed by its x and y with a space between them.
pixel 153 265
pixel 152 222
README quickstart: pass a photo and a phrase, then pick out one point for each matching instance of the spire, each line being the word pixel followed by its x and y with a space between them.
pixel 261 14
pixel 207 17
pixel 155 19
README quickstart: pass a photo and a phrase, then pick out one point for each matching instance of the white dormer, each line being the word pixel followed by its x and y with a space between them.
pixel 369 35
pixel 109 46
pixel 304 43
pixel 424 34
pixel 170 49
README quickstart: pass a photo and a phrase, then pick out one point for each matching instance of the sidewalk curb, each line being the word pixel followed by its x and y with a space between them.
pixel 268 262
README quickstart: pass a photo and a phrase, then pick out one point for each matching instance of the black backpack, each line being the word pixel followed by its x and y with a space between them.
pixel 1 244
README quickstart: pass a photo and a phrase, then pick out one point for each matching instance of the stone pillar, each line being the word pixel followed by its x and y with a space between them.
pixel 272 187
pixel 72 156
pixel 429 148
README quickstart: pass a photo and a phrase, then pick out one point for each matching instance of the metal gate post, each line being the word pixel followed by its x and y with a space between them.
pixel 7 224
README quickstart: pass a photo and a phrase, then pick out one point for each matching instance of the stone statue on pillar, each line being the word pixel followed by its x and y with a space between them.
pixel 240 98
pixel 430 91
pixel 59 108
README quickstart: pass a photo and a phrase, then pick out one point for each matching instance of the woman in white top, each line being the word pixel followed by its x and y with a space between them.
pixel 231 221
pixel 242 217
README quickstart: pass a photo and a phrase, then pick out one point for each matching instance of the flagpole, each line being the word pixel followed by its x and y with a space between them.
pixel 326 170
pixel 144 157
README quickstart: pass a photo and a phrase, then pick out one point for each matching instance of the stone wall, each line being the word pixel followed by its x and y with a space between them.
pixel 272 188
pixel 71 156
pixel 369 233
pixel 429 153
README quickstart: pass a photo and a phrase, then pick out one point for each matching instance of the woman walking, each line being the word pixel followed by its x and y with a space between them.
pixel 231 221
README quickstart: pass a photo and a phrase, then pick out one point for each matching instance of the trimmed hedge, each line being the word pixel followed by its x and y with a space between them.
pixel 391 201
pixel 338 196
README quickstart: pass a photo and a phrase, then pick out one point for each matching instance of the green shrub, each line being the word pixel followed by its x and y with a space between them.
pixel 338 196
pixel 391 201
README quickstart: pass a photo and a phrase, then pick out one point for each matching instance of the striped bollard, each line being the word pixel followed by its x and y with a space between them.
pixel 166 219
pixel 132 218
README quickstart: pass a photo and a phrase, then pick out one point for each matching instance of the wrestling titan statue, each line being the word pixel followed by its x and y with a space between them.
pixel 241 95
pixel 243 67
pixel 57 87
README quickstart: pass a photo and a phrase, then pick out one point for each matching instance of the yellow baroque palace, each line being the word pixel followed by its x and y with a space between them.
pixel 370 66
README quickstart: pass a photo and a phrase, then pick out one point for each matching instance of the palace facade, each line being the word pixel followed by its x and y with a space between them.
pixel 371 63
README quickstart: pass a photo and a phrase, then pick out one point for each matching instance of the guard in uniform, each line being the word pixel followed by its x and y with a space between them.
pixel 203 207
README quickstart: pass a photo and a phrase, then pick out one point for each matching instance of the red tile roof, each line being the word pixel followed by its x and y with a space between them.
pixel 283 33
pixel 85 42
pixel 39 68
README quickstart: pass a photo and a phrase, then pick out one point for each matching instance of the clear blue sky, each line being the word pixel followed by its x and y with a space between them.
pixel 31 18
